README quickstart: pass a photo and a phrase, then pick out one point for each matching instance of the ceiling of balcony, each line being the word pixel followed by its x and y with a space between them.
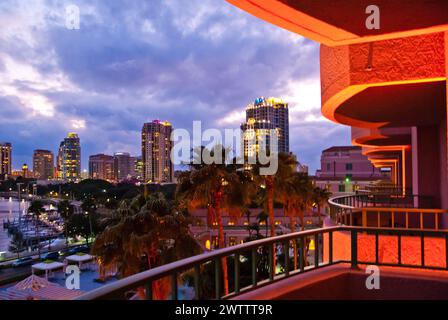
pixel 399 105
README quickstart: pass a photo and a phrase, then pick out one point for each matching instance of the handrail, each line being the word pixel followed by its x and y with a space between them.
pixel 185 264
pixel 117 289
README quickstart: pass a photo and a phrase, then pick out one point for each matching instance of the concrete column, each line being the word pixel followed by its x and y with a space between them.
pixel 426 162
pixel 408 169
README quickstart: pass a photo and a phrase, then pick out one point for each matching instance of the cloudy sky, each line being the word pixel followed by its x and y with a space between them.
pixel 134 61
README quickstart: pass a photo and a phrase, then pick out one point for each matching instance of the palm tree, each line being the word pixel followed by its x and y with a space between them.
pixel 66 210
pixel 274 184
pixel 143 234
pixel 217 186
pixel 320 197
pixel 36 208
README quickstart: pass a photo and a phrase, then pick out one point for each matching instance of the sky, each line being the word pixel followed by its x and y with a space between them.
pixel 131 62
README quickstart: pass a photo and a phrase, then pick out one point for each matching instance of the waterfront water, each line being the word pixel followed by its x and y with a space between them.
pixel 9 209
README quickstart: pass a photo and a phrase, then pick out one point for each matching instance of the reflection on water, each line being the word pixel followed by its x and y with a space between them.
pixel 9 209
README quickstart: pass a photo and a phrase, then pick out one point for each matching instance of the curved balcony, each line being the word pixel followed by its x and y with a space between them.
pixel 387 210
pixel 386 83
pixel 384 137
pixel 343 22
pixel 340 245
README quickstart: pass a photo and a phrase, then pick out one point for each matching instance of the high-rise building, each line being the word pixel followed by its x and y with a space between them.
pixel 5 160
pixel 101 166
pixel 156 152
pixel 123 166
pixel 43 164
pixel 69 158
pixel 263 115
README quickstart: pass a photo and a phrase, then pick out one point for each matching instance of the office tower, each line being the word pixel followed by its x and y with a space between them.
pixel 263 115
pixel 43 164
pixel 5 160
pixel 122 166
pixel 156 152
pixel 69 158
pixel 101 166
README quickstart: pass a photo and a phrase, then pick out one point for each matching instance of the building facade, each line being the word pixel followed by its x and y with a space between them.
pixel 101 166
pixel 123 166
pixel 5 160
pixel 346 169
pixel 69 158
pixel 262 116
pixel 43 164
pixel 156 152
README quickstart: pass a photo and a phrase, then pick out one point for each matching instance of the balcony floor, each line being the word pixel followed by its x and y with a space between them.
pixel 340 282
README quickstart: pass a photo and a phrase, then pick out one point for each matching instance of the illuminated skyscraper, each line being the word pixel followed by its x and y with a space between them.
pixel 5 160
pixel 69 158
pixel 156 151
pixel 43 164
pixel 263 115
pixel 101 166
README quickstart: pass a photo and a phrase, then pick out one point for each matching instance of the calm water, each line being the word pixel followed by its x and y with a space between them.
pixel 9 209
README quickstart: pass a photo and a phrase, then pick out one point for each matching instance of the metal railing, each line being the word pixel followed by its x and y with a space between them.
pixel 323 242
pixel 386 211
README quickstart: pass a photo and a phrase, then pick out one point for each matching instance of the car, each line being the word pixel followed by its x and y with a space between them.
pixel 83 248
pixel 22 262
pixel 51 256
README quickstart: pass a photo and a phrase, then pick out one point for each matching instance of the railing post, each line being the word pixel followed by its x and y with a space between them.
pixel 237 273
pixel 217 279
pixel 377 240
pixel 421 221
pixel 316 250
pixel 302 253
pixel 286 252
pixel 254 267
pixel 148 290
pixel 364 217
pixel 271 262
pixel 174 286
pixel 330 247
pixel 354 248
pixel 197 294
pixel 422 240
pixel 399 249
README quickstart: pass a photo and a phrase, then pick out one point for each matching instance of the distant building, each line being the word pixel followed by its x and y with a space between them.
pixel 138 168
pixel 263 115
pixel 123 166
pixel 156 152
pixel 346 169
pixel 69 158
pixel 5 160
pixel 43 164
pixel 25 171
pixel 101 166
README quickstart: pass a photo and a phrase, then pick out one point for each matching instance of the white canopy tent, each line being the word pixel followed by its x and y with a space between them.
pixel 80 259
pixel 37 288
pixel 47 267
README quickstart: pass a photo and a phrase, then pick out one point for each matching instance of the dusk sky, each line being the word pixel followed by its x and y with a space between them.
pixel 134 61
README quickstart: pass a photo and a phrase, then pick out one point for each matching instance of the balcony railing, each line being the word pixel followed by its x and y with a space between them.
pixel 386 211
pixel 327 244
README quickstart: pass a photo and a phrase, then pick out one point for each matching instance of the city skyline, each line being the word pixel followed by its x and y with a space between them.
pixel 148 69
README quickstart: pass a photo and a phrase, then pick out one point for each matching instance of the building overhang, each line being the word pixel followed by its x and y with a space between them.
pixel 336 23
